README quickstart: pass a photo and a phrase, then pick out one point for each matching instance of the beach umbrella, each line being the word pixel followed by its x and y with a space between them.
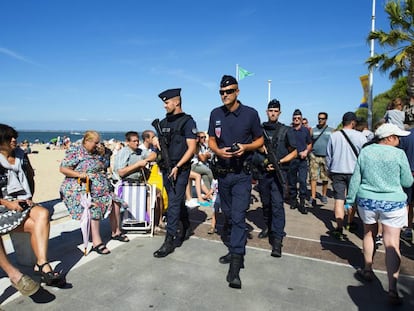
pixel 85 221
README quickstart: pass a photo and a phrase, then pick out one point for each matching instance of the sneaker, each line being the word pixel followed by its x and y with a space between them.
pixel 338 234
pixel 352 227
pixel 407 234
pixel 191 203
pixel 378 240
pixel 312 202
pixel 324 200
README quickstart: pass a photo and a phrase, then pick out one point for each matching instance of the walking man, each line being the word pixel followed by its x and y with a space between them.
pixel 317 158
pixel 341 156
pixel 235 132
pixel 178 130
pixel 298 170
pixel 280 140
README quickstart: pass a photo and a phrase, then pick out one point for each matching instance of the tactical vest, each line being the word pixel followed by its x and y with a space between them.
pixel 173 129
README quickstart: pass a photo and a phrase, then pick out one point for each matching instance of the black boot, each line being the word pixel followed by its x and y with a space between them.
pixel 166 248
pixel 233 275
pixel 302 208
pixel 276 247
pixel 227 259
pixel 184 233
pixel 264 233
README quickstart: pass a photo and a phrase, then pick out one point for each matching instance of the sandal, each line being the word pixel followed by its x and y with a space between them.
pixel 120 237
pixel 365 275
pixel 26 286
pixel 212 230
pixel 51 278
pixel 100 249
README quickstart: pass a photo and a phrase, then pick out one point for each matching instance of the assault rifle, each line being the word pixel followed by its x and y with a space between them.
pixel 271 158
pixel 165 162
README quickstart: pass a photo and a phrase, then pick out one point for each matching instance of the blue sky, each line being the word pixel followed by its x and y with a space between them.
pixel 79 64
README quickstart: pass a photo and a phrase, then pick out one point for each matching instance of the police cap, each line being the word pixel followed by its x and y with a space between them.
pixel 167 94
pixel 227 80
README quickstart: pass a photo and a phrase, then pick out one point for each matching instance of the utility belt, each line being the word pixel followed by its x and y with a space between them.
pixel 220 170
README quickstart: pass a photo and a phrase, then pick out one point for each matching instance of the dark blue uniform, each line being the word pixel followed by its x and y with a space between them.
pixel 270 189
pixel 178 146
pixel 298 171
pixel 240 126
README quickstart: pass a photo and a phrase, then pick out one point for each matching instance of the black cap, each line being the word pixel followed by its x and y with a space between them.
pixel 297 112
pixel 274 103
pixel 227 80
pixel 349 116
pixel 167 94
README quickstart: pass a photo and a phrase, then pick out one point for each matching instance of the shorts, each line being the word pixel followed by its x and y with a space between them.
pixel 317 168
pixel 392 214
pixel 340 184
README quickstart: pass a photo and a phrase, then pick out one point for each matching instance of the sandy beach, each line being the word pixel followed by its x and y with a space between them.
pixel 47 176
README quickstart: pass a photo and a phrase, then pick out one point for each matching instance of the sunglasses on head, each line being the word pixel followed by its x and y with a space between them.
pixel 230 91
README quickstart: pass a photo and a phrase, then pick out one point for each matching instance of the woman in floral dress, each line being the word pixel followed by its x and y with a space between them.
pixel 79 163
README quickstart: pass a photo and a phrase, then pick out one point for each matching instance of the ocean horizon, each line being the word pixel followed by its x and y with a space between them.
pixel 46 136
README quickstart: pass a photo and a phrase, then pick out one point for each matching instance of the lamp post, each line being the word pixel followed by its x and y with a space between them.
pixel 371 71
pixel 269 84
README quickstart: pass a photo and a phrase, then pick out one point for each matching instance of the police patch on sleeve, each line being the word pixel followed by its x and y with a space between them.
pixel 194 131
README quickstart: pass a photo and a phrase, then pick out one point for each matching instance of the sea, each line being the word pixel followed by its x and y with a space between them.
pixel 47 136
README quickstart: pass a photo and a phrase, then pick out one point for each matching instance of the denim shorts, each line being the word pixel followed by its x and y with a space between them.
pixel 392 214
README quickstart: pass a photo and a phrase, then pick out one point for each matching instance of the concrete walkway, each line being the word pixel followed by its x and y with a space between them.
pixel 314 273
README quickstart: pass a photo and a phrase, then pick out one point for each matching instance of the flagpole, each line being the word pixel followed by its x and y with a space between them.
pixel 237 72
pixel 269 82
pixel 371 71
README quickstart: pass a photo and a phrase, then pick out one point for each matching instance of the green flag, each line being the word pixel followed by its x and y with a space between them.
pixel 244 73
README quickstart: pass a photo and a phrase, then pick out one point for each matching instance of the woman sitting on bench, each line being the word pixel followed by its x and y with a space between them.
pixel 18 213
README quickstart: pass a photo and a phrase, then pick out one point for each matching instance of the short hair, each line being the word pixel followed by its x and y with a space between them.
pixel 325 113
pixel 89 135
pixel 7 133
pixel 129 134
pixel 147 134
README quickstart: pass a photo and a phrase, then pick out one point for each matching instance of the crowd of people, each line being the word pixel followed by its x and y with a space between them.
pixel 371 174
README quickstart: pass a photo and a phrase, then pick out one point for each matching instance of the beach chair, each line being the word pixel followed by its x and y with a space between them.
pixel 141 199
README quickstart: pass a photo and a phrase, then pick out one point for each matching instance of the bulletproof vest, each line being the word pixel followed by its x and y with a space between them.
pixel 172 128
pixel 277 134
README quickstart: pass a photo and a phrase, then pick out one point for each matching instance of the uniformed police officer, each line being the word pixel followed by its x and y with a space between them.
pixel 235 132
pixel 179 131
pixel 281 141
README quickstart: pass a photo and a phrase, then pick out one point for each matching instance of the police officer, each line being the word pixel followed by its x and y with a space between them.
pixel 235 132
pixel 280 140
pixel 179 131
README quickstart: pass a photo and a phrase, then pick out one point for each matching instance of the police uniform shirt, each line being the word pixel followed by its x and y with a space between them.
pixel 303 138
pixel 240 126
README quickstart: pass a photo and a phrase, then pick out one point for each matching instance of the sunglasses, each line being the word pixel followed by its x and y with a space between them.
pixel 296 118
pixel 201 137
pixel 228 92
pixel 321 118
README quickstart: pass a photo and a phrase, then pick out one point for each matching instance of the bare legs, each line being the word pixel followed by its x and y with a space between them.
pixel 115 219
pixel 391 238
pixel 12 272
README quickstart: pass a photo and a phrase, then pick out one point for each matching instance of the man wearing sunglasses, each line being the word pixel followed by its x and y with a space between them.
pixel 234 133
pixel 298 170
pixel 317 163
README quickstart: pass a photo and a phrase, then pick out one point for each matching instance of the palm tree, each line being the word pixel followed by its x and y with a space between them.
pixel 399 59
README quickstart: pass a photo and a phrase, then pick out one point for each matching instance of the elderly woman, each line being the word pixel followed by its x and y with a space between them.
pixel 18 213
pixel 381 172
pixel 79 163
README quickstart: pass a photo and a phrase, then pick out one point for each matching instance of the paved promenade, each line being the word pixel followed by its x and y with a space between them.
pixel 314 273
